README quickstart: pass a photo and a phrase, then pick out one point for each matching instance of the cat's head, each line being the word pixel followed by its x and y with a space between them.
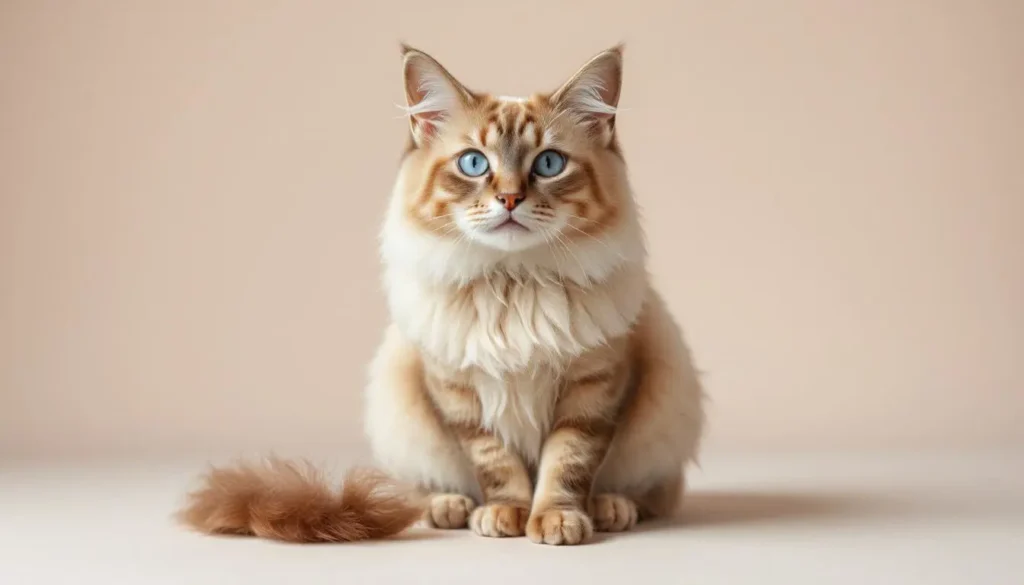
pixel 513 174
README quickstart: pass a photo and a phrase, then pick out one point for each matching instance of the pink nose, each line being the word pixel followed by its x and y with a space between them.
pixel 510 200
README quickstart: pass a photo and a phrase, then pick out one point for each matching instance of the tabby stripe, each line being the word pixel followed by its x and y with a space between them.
pixel 569 463
pixel 566 185
pixel 501 474
pixel 428 185
pixel 456 185
pixel 595 187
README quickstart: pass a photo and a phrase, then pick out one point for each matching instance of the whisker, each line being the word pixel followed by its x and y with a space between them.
pixel 599 241
pixel 450 229
pixel 583 270
pixel 588 220
pixel 437 217
pixel 455 247
pixel 550 242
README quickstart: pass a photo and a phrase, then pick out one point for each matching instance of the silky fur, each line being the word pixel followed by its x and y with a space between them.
pixel 531 381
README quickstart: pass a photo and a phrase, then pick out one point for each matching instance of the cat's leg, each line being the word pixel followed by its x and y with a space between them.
pixel 428 432
pixel 617 512
pixel 503 478
pixel 613 512
pixel 506 486
pixel 582 429
pixel 409 440
pixel 659 426
pixel 449 510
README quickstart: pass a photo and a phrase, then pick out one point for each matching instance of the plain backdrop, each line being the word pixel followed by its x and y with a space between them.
pixel 190 193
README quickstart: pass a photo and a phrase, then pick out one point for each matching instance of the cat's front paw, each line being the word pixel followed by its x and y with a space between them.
pixel 613 512
pixel 498 520
pixel 560 526
pixel 449 510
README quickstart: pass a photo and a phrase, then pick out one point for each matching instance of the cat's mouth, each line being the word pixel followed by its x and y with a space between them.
pixel 510 225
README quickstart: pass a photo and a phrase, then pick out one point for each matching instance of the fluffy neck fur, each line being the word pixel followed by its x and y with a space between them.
pixel 470 306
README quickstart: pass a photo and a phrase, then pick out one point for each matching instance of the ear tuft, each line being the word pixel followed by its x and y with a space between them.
pixel 591 96
pixel 432 94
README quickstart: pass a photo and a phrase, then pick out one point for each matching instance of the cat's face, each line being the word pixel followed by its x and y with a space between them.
pixel 512 174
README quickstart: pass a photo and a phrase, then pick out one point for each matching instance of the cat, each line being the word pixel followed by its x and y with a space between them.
pixel 531 382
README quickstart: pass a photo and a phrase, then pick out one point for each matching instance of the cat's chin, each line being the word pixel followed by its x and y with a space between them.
pixel 509 238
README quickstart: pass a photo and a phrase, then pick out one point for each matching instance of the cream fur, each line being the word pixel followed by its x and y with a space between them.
pixel 540 332
pixel 511 320
pixel 531 381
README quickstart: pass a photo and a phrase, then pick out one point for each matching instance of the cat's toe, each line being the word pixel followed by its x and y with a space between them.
pixel 449 510
pixel 498 520
pixel 560 526
pixel 613 512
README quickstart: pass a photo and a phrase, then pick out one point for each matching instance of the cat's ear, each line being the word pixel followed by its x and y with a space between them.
pixel 432 94
pixel 591 96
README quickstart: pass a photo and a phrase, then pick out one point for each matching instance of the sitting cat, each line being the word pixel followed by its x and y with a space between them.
pixel 531 381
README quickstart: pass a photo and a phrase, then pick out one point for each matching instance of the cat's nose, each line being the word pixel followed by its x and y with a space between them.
pixel 510 200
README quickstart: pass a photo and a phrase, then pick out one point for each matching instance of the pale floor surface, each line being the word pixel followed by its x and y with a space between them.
pixel 835 519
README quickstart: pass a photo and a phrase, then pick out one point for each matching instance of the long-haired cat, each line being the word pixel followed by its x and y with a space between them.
pixel 531 381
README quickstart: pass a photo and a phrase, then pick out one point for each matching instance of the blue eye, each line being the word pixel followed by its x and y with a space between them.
pixel 548 163
pixel 473 163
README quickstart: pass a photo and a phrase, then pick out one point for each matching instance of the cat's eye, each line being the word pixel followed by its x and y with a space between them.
pixel 473 163
pixel 549 163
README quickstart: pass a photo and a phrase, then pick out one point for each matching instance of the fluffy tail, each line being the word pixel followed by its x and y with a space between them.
pixel 292 502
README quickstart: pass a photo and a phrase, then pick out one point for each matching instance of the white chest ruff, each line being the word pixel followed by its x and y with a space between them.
pixel 518 408
pixel 507 325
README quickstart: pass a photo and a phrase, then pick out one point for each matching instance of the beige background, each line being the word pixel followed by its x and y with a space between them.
pixel 191 190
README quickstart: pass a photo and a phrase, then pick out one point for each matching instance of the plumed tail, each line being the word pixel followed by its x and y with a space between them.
pixel 293 502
